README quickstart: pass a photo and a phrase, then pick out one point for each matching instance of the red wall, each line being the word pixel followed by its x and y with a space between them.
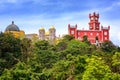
pixel 103 34
pixel 90 34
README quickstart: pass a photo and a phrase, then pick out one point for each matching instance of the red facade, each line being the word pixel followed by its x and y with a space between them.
pixel 94 30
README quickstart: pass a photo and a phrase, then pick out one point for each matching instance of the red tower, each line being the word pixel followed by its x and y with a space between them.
pixel 94 23
pixel 93 32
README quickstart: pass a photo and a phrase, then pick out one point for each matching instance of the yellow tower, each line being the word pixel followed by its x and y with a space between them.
pixel 42 34
pixel 52 33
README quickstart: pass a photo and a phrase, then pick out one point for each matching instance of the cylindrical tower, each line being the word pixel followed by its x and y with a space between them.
pixel 52 33
pixel 42 34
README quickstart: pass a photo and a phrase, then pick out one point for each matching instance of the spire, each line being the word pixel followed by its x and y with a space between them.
pixel 12 22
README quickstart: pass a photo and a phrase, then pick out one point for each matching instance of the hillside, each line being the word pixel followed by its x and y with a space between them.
pixel 69 59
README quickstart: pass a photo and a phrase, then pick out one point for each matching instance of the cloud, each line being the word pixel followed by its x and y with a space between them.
pixel 30 15
pixel 112 6
pixel 32 23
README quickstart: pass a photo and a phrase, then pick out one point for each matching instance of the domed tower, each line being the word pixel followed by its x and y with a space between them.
pixel 42 34
pixel 94 23
pixel 52 33
pixel 14 29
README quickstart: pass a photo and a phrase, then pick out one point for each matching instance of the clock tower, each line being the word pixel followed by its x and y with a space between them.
pixel 94 23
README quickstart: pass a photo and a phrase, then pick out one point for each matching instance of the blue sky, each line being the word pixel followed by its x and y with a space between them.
pixel 30 15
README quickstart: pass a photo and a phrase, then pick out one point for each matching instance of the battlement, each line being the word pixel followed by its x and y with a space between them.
pixel 71 26
pixel 93 15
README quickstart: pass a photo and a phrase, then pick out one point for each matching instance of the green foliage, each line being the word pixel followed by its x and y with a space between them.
pixel 118 49
pixel 13 50
pixel 61 46
pixel 70 68
pixel 108 46
pixel 116 59
pixel 116 62
pixel 85 39
pixel 42 44
pixel 19 72
pixel 46 58
pixel 68 37
pixel 10 50
pixel 26 49
pixel 23 59
pixel 77 44
pixel 96 69
pixel 6 75
pixel 9 43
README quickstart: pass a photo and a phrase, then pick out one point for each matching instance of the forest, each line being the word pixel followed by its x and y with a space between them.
pixel 66 59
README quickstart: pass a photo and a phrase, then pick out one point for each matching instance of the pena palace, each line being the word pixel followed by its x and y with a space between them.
pixel 95 34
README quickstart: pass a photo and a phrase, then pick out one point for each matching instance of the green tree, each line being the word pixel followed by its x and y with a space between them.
pixel 97 70
pixel 20 72
pixel 10 50
pixel 26 49
pixel 42 45
pixel 85 39
pixel 13 50
pixel 108 46
pixel 71 68
pixel 116 62
pixel 62 45
pixel 68 37
pixel 75 46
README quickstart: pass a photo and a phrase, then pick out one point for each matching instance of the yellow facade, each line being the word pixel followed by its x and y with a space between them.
pixel 17 34
pixel 14 29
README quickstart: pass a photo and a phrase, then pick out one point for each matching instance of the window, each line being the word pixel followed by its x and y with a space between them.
pixel 97 34
pixel 105 38
pixel 97 27
pixel 91 34
pixel 96 18
pixel 105 33
pixel 92 18
pixel 78 33
pixel 85 33
pixel 72 32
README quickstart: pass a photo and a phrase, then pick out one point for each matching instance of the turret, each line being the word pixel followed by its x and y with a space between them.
pixel 72 30
pixel 105 33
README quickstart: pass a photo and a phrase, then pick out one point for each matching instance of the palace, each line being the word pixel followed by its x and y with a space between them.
pixel 95 33
pixel 49 35
pixel 14 29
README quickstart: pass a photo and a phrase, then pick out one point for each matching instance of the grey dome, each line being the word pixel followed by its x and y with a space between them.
pixel 12 27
